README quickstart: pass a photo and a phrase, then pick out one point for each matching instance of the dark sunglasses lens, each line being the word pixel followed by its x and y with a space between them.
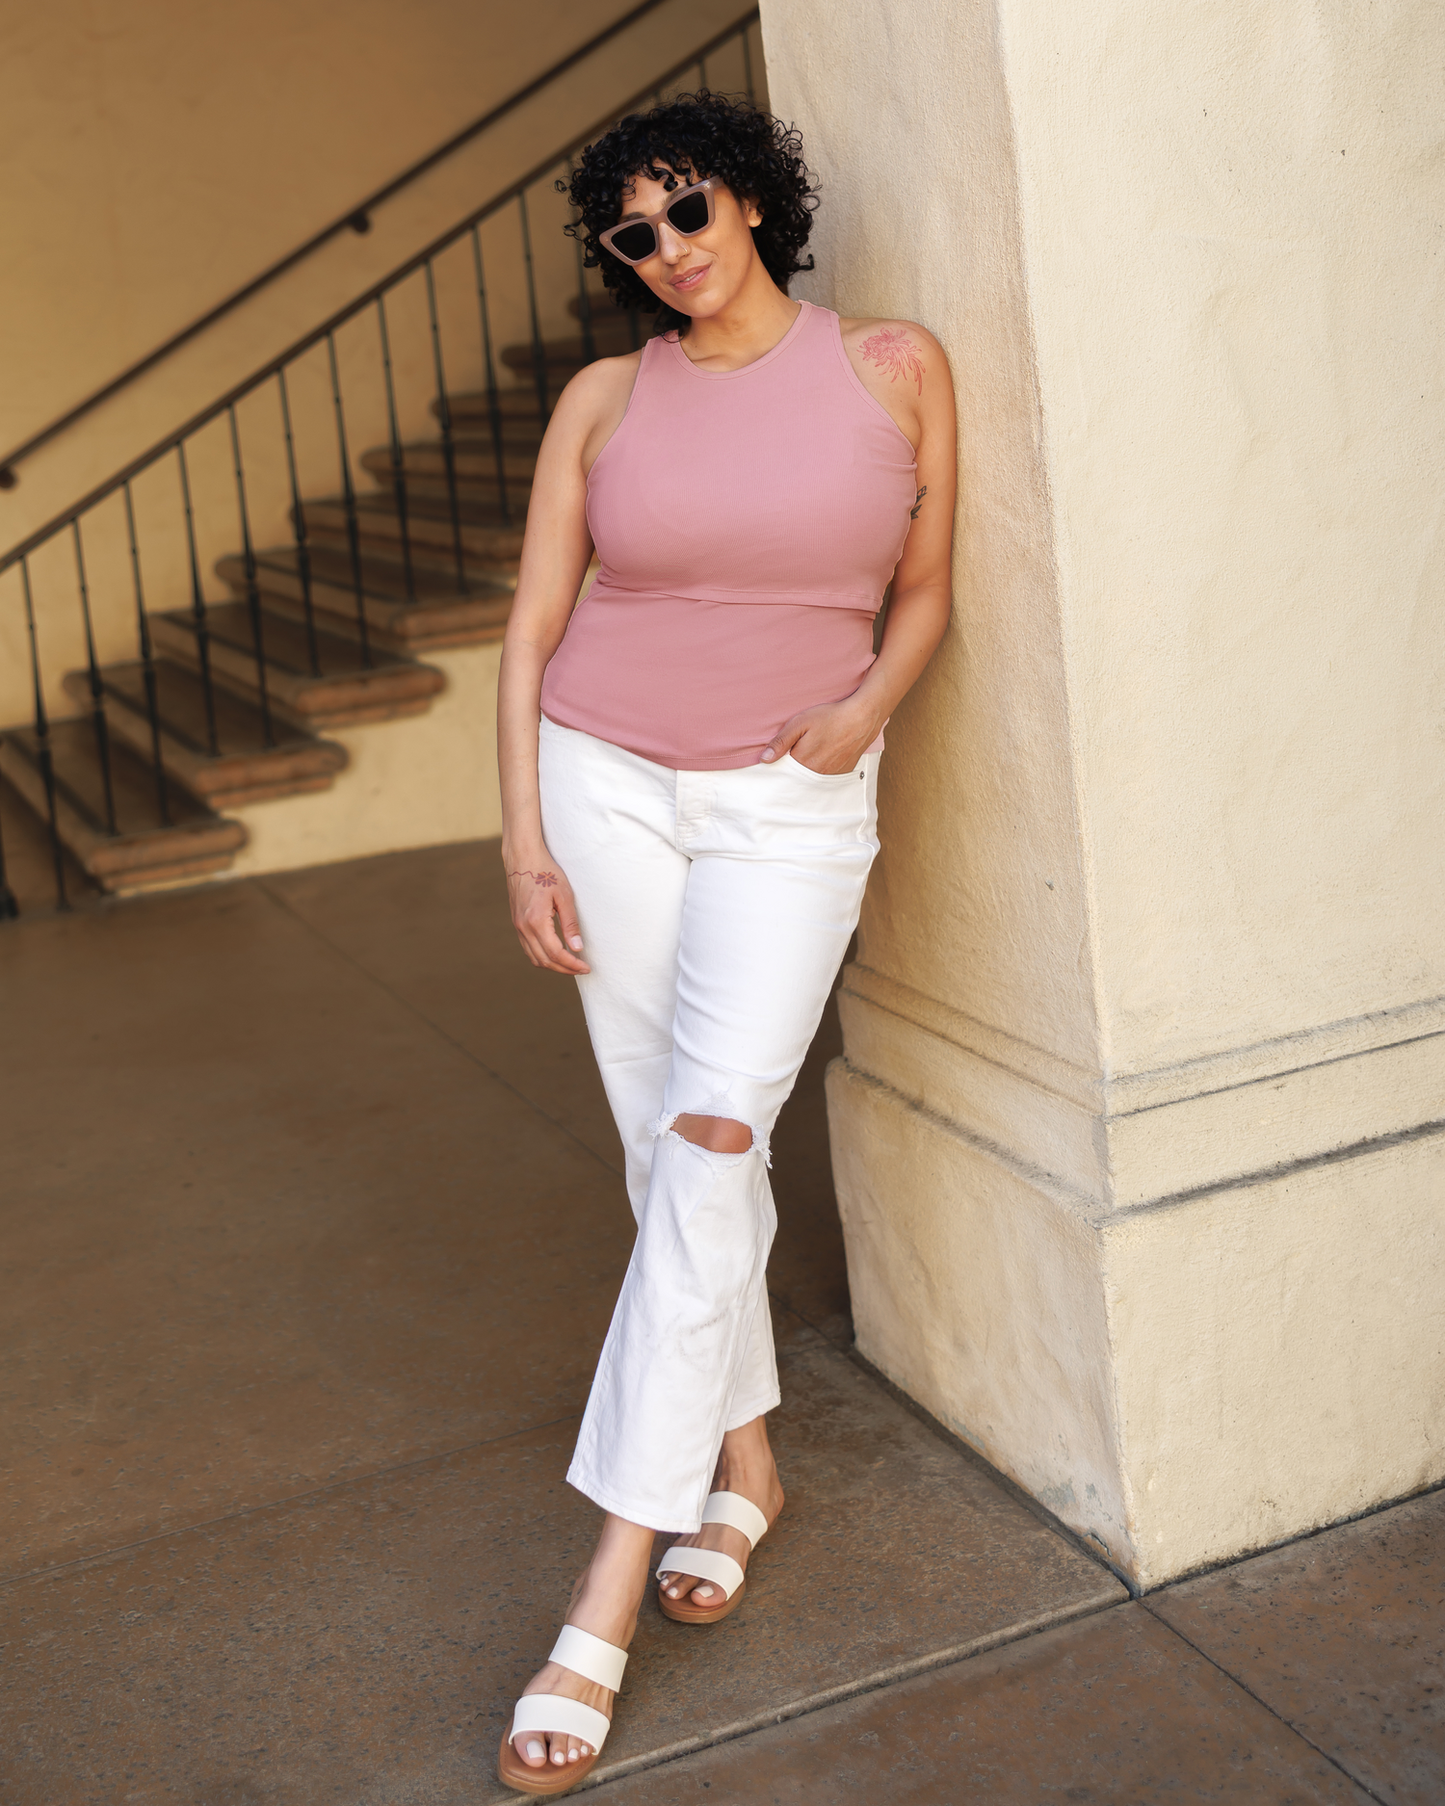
pixel 688 215
pixel 637 242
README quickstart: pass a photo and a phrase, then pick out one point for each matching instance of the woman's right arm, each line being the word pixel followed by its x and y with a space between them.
pixel 555 553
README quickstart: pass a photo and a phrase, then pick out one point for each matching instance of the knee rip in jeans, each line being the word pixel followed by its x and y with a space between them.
pixel 714 1110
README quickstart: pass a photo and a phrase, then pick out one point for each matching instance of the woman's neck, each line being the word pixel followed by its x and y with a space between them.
pixel 746 329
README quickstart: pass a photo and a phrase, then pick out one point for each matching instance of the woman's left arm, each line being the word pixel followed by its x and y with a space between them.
pixel 833 736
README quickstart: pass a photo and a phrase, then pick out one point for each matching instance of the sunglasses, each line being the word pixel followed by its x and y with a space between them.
pixel 689 212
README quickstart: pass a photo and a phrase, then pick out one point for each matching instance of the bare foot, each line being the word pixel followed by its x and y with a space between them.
pixel 745 1466
pixel 604 1601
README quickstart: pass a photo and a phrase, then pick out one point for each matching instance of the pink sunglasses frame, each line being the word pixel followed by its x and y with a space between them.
pixel 705 188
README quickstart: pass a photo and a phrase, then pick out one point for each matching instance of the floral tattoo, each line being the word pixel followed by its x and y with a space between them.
pixel 544 879
pixel 892 350
pixel 917 503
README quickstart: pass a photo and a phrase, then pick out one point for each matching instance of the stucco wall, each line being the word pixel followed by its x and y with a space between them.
pixel 417 782
pixel 1236 259
pixel 1138 1136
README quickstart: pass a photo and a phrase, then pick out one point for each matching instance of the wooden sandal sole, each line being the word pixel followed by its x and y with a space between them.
pixel 513 1772
pixel 682 1613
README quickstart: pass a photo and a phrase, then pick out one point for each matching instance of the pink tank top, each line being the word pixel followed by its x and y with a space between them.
pixel 747 523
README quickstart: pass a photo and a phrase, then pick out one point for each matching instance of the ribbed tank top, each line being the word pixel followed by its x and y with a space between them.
pixel 746 523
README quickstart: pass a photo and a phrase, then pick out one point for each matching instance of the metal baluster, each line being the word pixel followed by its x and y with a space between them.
pixel 493 405
pixel 444 415
pixel 198 610
pixel 9 902
pixel 584 305
pixel 97 686
pixel 539 356
pixel 253 593
pixel 353 531
pixel 42 743
pixel 148 666
pixel 748 66
pixel 398 469
pixel 298 531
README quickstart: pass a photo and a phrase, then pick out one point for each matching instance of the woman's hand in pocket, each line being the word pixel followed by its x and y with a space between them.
pixel 544 913
pixel 829 739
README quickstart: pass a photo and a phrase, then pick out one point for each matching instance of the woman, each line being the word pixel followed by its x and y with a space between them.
pixel 689 766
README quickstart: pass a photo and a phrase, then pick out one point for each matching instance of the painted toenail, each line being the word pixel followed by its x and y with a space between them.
pixel 571 1755
pixel 534 1749
pixel 704 1592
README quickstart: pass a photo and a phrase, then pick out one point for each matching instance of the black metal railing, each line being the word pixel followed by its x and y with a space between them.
pixel 138 680
pixel 357 218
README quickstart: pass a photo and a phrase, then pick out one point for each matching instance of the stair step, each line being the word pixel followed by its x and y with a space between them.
pixel 245 769
pixel 471 417
pixel 474 462
pixel 605 312
pixel 441 615
pixel 517 405
pixel 433 577
pixel 559 371
pixel 491 545
pixel 611 337
pixel 146 850
pixel 30 858
pixel 342 693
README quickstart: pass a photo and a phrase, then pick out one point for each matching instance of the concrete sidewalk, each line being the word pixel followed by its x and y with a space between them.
pixel 313 1220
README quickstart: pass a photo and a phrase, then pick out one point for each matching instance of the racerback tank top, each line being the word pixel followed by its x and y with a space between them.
pixel 746 524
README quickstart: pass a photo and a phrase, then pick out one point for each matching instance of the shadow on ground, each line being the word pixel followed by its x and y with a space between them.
pixel 313 1220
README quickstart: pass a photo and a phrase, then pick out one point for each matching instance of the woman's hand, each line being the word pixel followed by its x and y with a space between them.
pixel 544 914
pixel 829 738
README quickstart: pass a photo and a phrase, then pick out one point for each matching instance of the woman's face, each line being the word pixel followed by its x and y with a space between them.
pixel 699 275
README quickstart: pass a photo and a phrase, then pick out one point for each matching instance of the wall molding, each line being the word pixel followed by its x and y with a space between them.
pixel 1139 1140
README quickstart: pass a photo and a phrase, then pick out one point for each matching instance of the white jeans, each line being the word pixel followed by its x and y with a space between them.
pixel 715 908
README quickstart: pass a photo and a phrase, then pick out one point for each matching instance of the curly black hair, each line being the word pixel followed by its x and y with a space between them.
pixel 702 134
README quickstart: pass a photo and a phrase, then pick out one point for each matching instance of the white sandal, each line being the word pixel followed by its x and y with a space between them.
pixel 738 1513
pixel 596 1661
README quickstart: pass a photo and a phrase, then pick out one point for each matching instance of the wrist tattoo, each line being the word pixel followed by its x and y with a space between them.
pixel 545 880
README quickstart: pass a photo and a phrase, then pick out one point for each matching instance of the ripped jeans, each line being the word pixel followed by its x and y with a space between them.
pixel 716 907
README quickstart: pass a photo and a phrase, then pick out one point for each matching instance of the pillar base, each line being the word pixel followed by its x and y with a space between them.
pixel 1182 1379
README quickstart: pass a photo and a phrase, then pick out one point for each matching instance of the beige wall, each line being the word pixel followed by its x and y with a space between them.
pixel 155 157
pixel 1234 266
pixel 1145 1041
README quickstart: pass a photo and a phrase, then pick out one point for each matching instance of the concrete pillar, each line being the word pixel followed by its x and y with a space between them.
pixel 1140 1129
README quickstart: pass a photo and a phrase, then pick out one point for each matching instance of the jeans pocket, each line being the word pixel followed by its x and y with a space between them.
pixel 853 775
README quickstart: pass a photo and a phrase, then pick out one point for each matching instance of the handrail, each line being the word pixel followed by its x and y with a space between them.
pixel 356 219
pixel 364 300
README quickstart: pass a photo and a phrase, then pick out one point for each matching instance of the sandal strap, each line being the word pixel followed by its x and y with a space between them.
pixel 738 1513
pixel 707 1564
pixel 561 1716
pixel 596 1661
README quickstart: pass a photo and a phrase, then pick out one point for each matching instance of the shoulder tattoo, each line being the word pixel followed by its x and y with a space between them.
pixel 892 350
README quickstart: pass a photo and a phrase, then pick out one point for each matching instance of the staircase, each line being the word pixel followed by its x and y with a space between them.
pixel 234 702
pixel 332 696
